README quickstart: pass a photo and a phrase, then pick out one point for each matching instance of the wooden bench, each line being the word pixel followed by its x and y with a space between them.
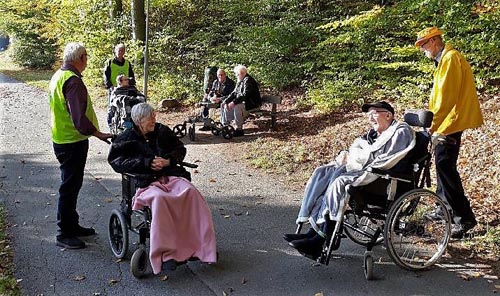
pixel 268 100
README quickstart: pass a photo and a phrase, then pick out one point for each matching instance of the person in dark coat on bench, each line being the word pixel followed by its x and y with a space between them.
pixel 245 97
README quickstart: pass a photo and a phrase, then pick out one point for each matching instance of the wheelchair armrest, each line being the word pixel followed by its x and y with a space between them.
pixel 387 174
pixel 187 164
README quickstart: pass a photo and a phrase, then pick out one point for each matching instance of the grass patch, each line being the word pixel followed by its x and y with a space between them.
pixel 8 284
pixel 41 78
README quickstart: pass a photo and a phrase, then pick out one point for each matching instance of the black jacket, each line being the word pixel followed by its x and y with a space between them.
pixel 132 153
pixel 247 90
pixel 222 89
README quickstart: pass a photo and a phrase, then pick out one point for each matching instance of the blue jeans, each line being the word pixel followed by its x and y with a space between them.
pixel 72 158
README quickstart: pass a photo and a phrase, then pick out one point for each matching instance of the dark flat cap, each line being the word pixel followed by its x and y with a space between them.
pixel 381 104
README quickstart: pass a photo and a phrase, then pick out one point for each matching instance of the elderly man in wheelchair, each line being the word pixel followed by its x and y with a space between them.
pixel 363 193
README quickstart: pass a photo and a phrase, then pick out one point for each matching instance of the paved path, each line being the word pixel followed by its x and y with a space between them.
pixel 250 212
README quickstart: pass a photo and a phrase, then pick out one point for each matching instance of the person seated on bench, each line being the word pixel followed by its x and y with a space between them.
pixel 245 97
pixel 222 86
pixel 385 144
pixel 182 226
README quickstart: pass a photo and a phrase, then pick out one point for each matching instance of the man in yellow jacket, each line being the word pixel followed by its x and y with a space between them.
pixel 456 108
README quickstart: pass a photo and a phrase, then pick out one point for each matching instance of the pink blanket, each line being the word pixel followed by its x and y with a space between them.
pixel 181 225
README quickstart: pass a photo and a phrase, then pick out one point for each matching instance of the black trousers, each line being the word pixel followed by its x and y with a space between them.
pixel 72 158
pixel 449 184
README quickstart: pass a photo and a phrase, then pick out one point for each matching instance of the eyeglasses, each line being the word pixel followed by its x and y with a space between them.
pixel 423 44
pixel 375 113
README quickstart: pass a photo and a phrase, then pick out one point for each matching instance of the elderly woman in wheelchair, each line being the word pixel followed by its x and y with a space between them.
pixel 389 154
pixel 181 222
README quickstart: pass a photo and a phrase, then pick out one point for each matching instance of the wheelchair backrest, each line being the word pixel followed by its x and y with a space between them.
pixel 419 118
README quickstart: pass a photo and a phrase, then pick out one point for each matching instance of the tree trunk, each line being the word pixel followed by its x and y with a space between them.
pixel 139 20
pixel 116 8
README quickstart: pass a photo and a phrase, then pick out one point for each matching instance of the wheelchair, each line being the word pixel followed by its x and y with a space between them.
pixel 396 210
pixel 120 106
pixel 125 220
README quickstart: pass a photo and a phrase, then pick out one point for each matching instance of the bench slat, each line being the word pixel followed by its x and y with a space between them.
pixel 271 99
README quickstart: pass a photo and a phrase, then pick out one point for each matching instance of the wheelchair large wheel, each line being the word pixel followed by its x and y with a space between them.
pixel 118 234
pixel 413 240
pixel 139 262
pixel 361 229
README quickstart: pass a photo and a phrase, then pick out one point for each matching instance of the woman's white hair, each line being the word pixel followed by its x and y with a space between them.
pixel 73 52
pixel 141 111
pixel 240 69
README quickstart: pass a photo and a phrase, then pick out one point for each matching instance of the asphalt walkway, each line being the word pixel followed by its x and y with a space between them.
pixel 250 211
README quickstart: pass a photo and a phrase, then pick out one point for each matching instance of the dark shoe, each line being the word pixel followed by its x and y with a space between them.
pixel 459 230
pixel 82 231
pixel 309 247
pixel 436 215
pixel 205 128
pixel 69 242
pixel 294 236
pixel 238 133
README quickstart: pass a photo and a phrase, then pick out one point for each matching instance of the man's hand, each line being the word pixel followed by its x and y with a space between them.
pixel 230 106
pixel 159 163
pixel 102 136
pixel 437 139
pixel 215 100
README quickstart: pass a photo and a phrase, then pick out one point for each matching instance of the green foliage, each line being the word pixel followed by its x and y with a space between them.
pixel 25 21
pixel 340 52
pixel 8 284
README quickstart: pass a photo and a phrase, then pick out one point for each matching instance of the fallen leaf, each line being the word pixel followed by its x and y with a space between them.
pixel 164 278
pixel 17 201
pixel 247 213
pixel 212 180
pixel 224 293
pixel 79 278
pixel 243 281
pixel 119 260
pixel 108 200
pixel 113 281
pixel 227 216
pixel 319 294
pixel 19 280
pixel 98 178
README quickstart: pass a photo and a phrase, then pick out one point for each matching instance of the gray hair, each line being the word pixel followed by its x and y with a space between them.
pixel 118 46
pixel 141 111
pixel 119 79
pixel 73 52
pixel 240 69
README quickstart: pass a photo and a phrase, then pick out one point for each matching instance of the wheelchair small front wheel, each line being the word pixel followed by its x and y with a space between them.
pixel 361 229
pixel 228 132
pixel 368 266
pixel 191 132
pixel 118 234
pixel 139 262
pixel 179 130
pixel 216 128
